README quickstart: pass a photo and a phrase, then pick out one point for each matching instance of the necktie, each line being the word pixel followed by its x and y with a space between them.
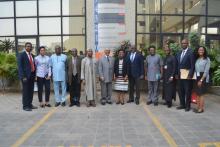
pixel 107 58
pixel 31 62
pixel 182 55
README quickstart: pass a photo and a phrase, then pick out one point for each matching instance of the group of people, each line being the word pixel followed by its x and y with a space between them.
pixel 186 69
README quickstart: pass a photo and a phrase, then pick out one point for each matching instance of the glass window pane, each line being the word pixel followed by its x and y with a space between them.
pixel 171 38
pixel 74 25
pixel 148 6
pixel 149 23
pixel 6 9
pixel 26 26
pixel 172 7
pixel 213 7
pixel 26 8
pixel 195 6
pixel 74 42
pixel 6 27
pixel 49 7
pixel 50 42
pixel 50 25
pixel 172 24
pixel 73 7
pixel 145 40
pixel 213 25
pixel 194 24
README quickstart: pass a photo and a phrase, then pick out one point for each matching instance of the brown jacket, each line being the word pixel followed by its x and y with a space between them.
pixel 70 68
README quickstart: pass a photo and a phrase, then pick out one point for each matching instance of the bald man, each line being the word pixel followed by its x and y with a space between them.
pixel 186 62
pixel 74 74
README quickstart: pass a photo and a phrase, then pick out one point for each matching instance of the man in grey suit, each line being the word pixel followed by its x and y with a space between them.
pixel 106 64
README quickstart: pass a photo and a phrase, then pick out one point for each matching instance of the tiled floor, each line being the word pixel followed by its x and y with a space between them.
pixel 113 125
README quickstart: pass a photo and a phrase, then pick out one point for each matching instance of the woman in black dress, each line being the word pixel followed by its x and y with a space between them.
pixel 169 90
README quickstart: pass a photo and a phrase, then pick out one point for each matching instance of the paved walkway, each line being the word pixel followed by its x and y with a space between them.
pixel 108 126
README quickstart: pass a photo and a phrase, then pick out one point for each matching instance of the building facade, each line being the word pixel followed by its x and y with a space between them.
pixel 70 23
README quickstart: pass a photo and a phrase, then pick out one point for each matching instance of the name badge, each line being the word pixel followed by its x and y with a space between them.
pixel 165 66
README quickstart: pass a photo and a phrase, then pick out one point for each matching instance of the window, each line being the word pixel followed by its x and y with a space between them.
pixel 74 42
pixel 148 23
pixel 172 7
pixel 9 24
pixel 6 9
pixel 27 26
pixel 73 7
pixel 50 26
pixel 49 7
pixel 73 25
pixel 26 8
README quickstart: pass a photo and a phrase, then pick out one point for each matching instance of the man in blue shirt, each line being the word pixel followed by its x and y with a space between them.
pixel 58 62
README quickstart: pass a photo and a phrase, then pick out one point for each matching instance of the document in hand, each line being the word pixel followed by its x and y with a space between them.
pixel 184 74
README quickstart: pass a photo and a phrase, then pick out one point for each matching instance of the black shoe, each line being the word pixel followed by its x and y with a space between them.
pixel 155 103
pixel 130 101
pixel 42 105
pixel 109 102
pixel 27 109
pixel 180 107
pixel 137 102
pixel 71 105
pixel 57 104
pixel 118 102
pixel 63 104
pixel 78 104
pixel 169 105
pixel 33 107
pixel 149 102
pixel 187 109
pixel 47 105
pixel 165 103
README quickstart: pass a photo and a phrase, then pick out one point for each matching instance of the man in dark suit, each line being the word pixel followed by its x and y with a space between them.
pixel 185 65
pixel 26 69
pixel 135 73
pixel 74 74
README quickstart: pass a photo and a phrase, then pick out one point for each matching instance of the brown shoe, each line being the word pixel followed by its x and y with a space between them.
pixel 88 104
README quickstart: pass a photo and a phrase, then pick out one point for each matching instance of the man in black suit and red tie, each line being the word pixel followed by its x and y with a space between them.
pixel 27 70
pixel 185 66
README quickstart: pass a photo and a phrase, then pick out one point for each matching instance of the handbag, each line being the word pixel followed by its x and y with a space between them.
pixel 194 97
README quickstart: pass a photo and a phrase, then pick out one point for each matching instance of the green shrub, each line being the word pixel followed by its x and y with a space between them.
pixel 216 77
pixel 8 68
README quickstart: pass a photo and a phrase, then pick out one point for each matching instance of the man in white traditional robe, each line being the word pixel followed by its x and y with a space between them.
pixel 88 77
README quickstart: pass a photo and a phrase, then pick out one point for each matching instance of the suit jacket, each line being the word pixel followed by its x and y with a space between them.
pixel 135 68
pixel 188 62
pixel 24 66
pixel 116 68
pixel 70 68
pixel 106 68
